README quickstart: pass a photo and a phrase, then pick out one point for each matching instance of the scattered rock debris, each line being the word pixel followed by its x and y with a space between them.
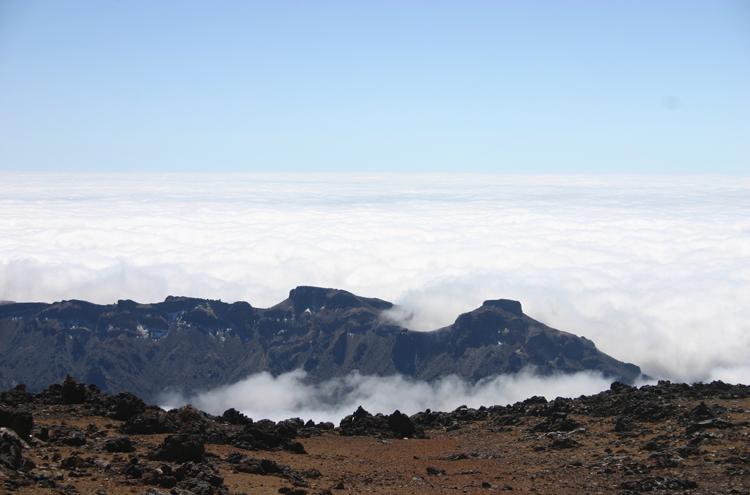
pixel 667 438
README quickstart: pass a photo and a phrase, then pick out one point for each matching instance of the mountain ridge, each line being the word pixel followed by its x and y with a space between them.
pixel 198 344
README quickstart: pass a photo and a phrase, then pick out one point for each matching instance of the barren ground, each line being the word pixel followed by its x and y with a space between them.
pixel 471 457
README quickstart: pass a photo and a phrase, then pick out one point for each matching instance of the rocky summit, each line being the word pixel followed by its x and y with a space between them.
pixel 197 344
pixel 72 438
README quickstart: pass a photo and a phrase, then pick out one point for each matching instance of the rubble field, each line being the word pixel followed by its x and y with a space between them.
pixel 666 438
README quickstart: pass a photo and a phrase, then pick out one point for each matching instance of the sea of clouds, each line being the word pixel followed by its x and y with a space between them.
pixel 654 269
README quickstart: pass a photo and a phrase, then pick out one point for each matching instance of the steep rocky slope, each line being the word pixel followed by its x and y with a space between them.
pixel 196 344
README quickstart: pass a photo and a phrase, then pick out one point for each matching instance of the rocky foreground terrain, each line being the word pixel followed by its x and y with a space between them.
pixel 201 344
pixel 670 438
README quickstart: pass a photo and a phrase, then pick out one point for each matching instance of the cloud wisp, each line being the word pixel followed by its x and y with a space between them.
pixel 654 269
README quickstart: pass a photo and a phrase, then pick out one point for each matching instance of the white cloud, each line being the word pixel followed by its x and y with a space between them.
pixel 654 269
pixel 286 396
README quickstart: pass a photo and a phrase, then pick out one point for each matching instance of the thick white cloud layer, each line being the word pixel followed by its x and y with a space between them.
pixel 286 396
pixel 654 269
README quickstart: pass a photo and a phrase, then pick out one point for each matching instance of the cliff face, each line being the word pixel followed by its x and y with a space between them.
pixel 197 344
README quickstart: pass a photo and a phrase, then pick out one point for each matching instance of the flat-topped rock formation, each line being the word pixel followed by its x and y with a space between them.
pixel 197 344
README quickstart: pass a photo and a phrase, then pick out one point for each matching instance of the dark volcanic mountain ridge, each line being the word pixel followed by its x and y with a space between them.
pixel 200 344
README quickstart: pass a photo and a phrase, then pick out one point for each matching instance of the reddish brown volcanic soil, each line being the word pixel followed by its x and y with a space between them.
pixel 669 438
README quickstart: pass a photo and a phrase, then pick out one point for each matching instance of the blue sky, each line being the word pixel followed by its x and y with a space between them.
pixel 375 86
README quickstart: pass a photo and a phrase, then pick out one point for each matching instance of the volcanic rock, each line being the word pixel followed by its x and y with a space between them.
pixel 327 333
pixel 658 483
pixel 182 447
pixel 11 448
pixel 118 443
pixel 234 417
pixel 22 422
pixel 557 421
pixel 362 423
pixel 126 405
pixel 266 435
pixel 467 450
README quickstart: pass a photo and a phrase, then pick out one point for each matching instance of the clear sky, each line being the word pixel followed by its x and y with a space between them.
pixel 386 86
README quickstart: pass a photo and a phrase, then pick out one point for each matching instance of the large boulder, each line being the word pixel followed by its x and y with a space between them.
pixel 234 417
pixel 558 421
pixel 126 405
pixel 22 422
pixel 151 421
pixel 11 449
pixel 180 448
pixel 118 443
pixel 362 423
pixel 16 395
pixel 401 424
pixel 267 435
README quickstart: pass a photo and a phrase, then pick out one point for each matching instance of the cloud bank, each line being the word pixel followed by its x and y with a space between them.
pixel 287 396
pixel 654 269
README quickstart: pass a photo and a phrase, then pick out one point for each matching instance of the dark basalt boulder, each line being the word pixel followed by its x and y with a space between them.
pixel 658 483
pixel 69 392
pixel 74 462
pixel 620 388
pixel 452 420
pixel 401 424
pixel 180 448
pixel 558 421
pixel 247 464
pixel 201 478
pixel 312 429
pixel 709 423
pixel 396 425
pixel 67 435
pixel 563 443
pixel 150 422
pixel 362 423
pixel 234 417
pixel 624 423
pixel 118 443
pixel 126 405
pixel 267 467
pixel 22 422
pixel 186 479
pixel 186 419
pixel 264 435
pixel 16 395
pixel 72 392
pixel 702 412
pixel 11 449
pixel 289 428
pixel 635 404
